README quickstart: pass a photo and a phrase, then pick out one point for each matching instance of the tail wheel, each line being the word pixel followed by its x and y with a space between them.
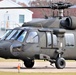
pixel 29 63
pixel 60 63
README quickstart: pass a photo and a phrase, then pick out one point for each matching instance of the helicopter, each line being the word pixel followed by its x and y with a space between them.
pixel 51 39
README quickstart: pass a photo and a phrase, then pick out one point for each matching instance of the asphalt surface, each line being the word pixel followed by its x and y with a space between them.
pixel 38 67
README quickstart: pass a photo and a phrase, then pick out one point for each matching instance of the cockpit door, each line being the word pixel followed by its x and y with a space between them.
pixel 32 45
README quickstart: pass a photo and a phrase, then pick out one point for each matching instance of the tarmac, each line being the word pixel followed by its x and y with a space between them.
pixel 38 67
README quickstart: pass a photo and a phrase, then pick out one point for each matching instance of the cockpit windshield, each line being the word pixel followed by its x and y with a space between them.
pixel 6 34
pixel 15 35
pixel 12 34
pixel 21 36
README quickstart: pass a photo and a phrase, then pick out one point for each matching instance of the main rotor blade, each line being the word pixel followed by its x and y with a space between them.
pixel 40 7
pixel 23 7
pixel 74 6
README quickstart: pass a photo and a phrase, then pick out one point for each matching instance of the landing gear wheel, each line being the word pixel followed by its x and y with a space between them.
pixel 60 63
pixel 29 63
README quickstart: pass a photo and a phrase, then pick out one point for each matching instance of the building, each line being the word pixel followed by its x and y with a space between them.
pixel 10 18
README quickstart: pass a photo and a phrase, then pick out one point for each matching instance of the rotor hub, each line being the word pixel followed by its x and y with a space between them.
pixel 61 5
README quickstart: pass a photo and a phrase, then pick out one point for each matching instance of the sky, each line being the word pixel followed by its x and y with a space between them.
pixel 26 1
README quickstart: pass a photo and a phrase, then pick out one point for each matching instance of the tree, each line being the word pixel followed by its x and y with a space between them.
pixel 14 0
pixel 22 4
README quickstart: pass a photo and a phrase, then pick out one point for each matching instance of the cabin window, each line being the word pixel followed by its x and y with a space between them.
pixel 32 37
pixel 54 40
pixel 51 40
pixel 69 39
pixel 21 18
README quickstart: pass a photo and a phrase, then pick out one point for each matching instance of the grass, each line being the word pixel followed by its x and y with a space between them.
pixel 15 60
pixel 8 60
pixel 12 73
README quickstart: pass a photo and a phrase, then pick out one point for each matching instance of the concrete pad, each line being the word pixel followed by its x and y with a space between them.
pixel 38 67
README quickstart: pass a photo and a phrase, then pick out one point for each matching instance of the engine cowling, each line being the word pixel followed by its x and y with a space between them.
pixel 69 23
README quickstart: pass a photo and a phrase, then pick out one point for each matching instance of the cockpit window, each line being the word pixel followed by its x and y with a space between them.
pixel 32 37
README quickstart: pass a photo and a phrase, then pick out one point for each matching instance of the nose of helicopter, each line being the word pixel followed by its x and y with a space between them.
pixel 5 48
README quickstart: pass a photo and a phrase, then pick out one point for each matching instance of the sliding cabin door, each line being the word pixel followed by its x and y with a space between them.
pixel 47 42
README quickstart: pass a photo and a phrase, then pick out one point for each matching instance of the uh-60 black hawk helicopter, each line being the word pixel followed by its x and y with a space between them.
pixel 52 39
